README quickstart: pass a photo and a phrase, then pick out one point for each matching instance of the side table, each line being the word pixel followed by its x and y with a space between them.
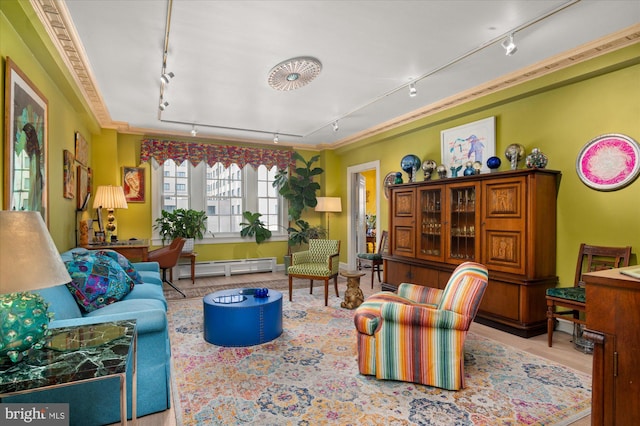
pixel 192 259
pixel 77 354
pixel 353 297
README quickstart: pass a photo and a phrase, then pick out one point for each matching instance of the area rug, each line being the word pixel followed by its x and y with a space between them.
pixel 309 376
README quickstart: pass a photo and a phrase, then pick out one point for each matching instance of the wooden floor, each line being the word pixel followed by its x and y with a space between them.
pixel 562 352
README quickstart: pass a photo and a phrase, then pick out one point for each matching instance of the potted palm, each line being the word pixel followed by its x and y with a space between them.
pixel 185 223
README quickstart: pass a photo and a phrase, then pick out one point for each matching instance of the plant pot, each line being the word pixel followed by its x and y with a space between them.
pixel 188 245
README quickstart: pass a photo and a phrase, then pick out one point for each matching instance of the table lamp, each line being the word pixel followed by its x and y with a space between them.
pixel 110 197
pixel 329 205
pixel 29 260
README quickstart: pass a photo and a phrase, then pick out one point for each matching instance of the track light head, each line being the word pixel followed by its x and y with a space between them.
pixel 509 46
pixel 166 77
pixel 412 90
pixel 276 139
pixel 335 126
pixel 194 132
pixel 163 105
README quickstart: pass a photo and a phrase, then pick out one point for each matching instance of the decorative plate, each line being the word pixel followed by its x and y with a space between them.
pixel 609 162
pixel 388 180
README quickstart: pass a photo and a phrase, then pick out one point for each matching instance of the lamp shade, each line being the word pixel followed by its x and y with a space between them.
pixel 329 204
pixel 29 260
pixel 110 197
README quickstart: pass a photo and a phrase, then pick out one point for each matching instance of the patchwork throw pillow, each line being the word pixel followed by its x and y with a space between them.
pixel 124 263
pixel 97 281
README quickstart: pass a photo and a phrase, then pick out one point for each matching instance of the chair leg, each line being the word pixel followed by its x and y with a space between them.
pixel 373 272
pixel 550 323
pixel 335 284
pixel 164 278
pixel 290 287
pixel 310 286
pixel 379 279
pixel 326 291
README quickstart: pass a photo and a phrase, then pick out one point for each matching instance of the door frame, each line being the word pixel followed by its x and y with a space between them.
pixel 351 171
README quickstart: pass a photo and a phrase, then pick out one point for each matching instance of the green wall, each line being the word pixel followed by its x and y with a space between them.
pixel 557 113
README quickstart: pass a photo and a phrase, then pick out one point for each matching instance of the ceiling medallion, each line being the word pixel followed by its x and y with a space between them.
pixel 294 73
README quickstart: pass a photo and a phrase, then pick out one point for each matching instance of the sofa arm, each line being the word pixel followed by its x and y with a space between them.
pixel 147 266
pixel 415 315
pixel 299 257
pixel 146 321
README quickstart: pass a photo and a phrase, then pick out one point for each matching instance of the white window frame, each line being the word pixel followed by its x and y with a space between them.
pixel 197 185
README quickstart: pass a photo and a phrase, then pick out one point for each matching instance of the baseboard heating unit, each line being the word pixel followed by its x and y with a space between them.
pixel 228 267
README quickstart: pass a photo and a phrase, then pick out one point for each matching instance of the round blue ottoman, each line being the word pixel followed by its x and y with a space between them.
pixel 237 318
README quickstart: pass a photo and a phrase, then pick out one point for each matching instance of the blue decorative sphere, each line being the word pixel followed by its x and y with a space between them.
pixel 493 163
pixel 410 162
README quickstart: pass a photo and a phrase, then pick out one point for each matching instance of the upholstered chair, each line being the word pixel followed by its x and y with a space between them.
pixel 167 257
pixel 320 262
pixel 418 334
pixel 374 259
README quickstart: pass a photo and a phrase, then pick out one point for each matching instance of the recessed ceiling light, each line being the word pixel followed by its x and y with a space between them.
pixel 294 73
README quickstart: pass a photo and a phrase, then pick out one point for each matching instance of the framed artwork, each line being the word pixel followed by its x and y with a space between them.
pixel 68 174
pixel 609 162
pixel 26 169
pixel 84 190
pixel 470 142
pixel 133 184
pixel 82 150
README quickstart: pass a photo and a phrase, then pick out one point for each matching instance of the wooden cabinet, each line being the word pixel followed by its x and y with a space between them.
pixel 506 221
pixel 613 324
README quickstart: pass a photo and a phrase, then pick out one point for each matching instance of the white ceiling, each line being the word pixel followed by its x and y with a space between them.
pixel 222 51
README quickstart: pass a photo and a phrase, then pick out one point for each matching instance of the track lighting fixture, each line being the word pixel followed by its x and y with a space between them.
pixel 194 132
pixel 335 126
pixel 275 138
pixel 412 90
pixel 166 77
pixel 163 105
pixel 509 46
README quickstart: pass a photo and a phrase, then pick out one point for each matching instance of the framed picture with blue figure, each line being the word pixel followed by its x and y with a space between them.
pixel 26 147
pixel 469 142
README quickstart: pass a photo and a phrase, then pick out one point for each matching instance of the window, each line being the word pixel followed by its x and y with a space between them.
pixel 223 193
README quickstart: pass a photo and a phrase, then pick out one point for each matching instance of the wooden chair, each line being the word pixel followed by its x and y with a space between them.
pixel 374 259
pixel 320 262
pixel 590 258
pixel 167 257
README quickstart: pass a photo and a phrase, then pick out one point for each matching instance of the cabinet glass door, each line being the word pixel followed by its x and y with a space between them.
pixel 463 221
pixel 431 224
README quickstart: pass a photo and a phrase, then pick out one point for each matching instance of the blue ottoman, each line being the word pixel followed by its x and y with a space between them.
pixel 237 318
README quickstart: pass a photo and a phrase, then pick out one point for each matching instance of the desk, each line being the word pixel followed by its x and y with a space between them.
pixel 613 324
pixel 79 356
pixel 131 250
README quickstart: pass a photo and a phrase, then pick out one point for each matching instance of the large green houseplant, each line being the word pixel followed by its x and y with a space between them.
pixel 253 226
pixel 185 223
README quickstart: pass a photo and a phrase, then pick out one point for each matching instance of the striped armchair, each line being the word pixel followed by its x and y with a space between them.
pixel 320 262
pixel 418 334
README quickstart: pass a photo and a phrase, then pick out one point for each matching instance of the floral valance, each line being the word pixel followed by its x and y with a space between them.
pixel 196 153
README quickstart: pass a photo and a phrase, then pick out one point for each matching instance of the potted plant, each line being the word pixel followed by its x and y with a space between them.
pixel 185 223
pixel 254 227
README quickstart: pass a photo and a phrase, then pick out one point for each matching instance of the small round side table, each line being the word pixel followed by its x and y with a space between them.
pixel 353 297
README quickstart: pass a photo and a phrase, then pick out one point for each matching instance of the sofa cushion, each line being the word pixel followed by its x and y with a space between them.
pixel 124 263
pixel 97 281
pixel 150 277
pixel 147 291
pixel 60 302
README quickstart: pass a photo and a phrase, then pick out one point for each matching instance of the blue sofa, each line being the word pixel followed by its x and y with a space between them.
pixel 98 403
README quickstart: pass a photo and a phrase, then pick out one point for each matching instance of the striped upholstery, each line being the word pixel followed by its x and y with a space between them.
pixel 418 335
pixel 320 262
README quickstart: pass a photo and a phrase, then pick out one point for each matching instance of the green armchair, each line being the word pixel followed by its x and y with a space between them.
pixel 320 262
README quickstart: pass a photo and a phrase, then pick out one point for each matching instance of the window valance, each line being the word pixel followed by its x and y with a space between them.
pixel 196 153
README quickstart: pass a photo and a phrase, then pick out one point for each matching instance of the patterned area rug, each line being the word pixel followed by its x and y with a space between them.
pixel 309 376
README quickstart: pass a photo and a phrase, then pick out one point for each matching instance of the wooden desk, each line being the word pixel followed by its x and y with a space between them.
pixel 132 251
pixel 613 324
pixel 192 258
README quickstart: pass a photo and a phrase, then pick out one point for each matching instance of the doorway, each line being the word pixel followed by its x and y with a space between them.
pixel 357 186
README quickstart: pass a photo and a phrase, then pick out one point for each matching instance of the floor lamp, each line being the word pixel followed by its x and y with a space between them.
pixel 329 205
